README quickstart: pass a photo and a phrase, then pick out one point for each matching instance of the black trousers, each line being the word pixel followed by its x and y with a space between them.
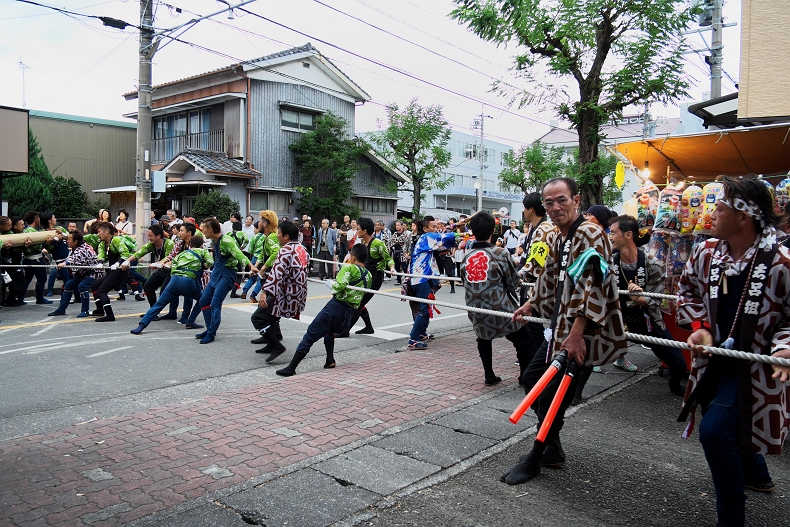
pixel 158 279
pixel 112 280
pixel 324 269
pixel 537 367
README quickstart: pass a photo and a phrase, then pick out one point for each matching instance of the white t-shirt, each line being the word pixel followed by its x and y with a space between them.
pixel 511 238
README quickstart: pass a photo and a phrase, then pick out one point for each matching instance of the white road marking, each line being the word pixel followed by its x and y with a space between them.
pixel 31 347
pixel 108 351
pixel 88 337
pixel 247 308
pixel 59 346
pixel 44 330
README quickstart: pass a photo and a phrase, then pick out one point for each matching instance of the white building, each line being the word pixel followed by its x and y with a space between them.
pixel 464 173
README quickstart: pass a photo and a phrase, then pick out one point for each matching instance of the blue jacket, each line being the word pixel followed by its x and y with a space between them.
pixel 331 240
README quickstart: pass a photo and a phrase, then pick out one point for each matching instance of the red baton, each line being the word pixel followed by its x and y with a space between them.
pixel 554 367
pixel 555 404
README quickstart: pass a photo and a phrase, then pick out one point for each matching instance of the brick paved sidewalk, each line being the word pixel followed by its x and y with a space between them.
pixel 118 469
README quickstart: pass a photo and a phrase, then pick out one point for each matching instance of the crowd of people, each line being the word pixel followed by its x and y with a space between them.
pixel 563 266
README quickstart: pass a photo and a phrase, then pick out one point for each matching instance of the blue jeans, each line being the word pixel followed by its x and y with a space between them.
pixel 718 433
pixel 221 282
pixel 252 280
pixel 56 273
pixel 78 285
pixel 333 319
pixel 177 286
pixel 421 290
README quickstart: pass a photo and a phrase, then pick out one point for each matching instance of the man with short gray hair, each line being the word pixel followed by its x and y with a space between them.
pixel 326 240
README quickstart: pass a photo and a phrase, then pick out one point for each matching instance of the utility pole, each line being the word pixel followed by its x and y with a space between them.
pixel 23 67
pixel 144 127
pixel 478 123
pixel 716 51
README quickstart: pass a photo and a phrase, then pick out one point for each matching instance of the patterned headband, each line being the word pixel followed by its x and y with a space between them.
pixel 749 207
pixel 768 236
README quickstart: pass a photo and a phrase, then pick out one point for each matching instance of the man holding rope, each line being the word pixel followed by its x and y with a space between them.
pixel 579 295
pixel 735 293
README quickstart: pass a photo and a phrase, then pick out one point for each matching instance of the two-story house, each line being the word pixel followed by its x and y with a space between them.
pixel 230 128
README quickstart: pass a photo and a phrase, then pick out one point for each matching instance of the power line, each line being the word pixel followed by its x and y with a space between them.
pixel 415 44
pixel 388 15
pixel 392 68
pixel 107 21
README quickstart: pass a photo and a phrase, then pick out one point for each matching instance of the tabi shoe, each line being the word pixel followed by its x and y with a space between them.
pixel 49 293
pixel 234 294
pixel 277 350
pixel 139 329
pixel 201 335
pixel 260 340
pixel 554 456
pixel 193 325
pixel 109 316
pixel 290 370
pixel 526 469
pixel 676 388
pixel 266 349
pixel 139 297
pixel 208 339
pixel 490 381
pixel 56 313
pixel 83 314
pixel 121 296
pixel 169 316
pixel 364 331
pixel 328 365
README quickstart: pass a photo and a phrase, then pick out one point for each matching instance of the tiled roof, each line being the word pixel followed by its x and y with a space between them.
pixel 612 133
pixel 213 162
pixel 293 51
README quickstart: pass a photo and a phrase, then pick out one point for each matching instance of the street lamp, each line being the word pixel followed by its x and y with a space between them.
pixel 478 201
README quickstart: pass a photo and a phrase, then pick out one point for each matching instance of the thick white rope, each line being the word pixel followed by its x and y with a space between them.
pixel 435 277
pixel 630 336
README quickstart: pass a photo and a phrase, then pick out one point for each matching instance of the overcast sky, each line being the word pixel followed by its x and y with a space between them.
pixel 78 67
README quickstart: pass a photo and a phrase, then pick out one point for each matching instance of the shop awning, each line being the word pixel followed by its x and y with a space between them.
pixel 701 157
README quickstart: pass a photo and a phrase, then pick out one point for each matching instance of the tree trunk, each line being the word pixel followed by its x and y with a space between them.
pixel 416 192
pixel 591 182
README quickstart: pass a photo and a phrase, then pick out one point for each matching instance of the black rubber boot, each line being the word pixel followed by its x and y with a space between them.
pixel 291 368
pixel 99 311
pixel 484 348
pixel 364 314
pixel 554 456
pixel 527 468
pixel 109 316
pixel 329 345
pixel 275 346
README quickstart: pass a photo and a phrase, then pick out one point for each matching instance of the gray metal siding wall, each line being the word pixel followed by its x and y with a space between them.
pixel 96 155
pixel 371 181
pixel 268 142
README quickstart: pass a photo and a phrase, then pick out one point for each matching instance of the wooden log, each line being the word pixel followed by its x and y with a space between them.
pixel 18 239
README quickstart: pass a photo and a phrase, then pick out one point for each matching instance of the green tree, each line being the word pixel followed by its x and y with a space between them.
pixel 29 191
pixel 69 200
pixel 92 207
pixel 328 159
pixel 616 52
pixel 528 168
pixel 415 141
pixel 214 203
pixel 602 169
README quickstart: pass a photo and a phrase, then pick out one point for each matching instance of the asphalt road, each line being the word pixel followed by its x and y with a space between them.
pixel 60 370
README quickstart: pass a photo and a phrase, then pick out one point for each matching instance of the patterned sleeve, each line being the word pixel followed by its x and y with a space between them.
pixel 379 252
pixel 539 247
pixel 271 248
pixel 228 246
pixel 343 278
pixel 177 245
pixel 691 293
pixel 655 281
pixel 145 249
pixel 120 247
pixel 588 298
